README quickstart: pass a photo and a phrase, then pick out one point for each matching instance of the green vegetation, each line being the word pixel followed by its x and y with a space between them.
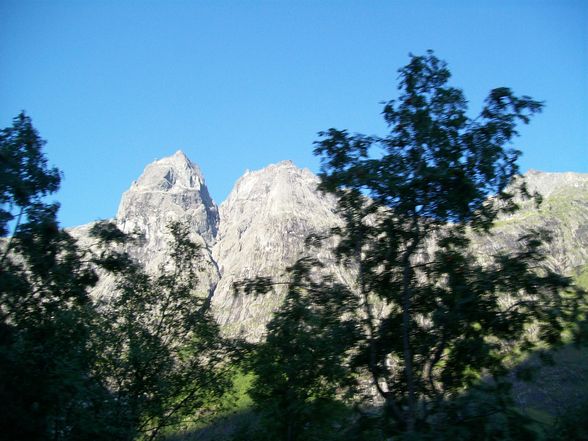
pixel 75 367
pixel 46 387
pixel 158 346
pixel 582 277
pixel 440 352
pixel 302 364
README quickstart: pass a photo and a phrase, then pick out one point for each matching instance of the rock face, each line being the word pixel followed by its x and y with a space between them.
pixel 264 223
pixel 563 214
pixel 169 189
pixel 260 229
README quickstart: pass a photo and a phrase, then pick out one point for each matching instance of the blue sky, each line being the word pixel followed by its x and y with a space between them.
pixel 114 85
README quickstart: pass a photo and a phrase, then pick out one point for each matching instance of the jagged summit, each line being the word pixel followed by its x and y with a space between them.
pixel 172 173
pixel 271 168
pixel 284 163
pixel 263 225
pixel 276 187
pixel 171 188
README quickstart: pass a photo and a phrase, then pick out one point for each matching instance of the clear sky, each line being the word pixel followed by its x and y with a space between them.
pixel 236 85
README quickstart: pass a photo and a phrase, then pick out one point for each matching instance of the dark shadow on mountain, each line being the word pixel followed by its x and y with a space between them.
pixel 557 388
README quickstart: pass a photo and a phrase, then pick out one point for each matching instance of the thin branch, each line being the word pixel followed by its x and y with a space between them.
pixel 436 358
pixel 9 245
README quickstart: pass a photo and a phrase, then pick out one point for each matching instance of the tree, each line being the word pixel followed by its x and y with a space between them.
pixel 74 367
pixel 159 350
pixel 440 354
pixel 24 175
pixel 300 368
pixel 45 310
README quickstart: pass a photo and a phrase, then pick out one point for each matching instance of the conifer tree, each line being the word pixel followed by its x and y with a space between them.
pixel 45 311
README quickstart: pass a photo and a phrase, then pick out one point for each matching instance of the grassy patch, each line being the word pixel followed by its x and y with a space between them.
pixel 233 411
pixel 582 277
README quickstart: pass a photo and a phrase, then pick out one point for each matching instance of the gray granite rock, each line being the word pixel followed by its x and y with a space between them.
pixel 263 225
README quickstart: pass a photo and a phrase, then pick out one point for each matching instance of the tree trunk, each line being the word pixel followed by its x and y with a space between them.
pixel 406 319
pixel 407 273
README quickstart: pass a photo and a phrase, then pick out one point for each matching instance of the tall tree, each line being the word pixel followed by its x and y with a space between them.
pixel 158 348
pixel 300 368
pixel 45 310
pixel 412 201
pixel 74 367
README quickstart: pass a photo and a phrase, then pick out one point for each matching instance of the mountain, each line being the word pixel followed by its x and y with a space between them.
pixel 260 229
pixel 263 225
pixel 169 189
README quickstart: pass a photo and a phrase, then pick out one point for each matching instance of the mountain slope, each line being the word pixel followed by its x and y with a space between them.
pixel 170 189
pixel 263 225
pixel 563 215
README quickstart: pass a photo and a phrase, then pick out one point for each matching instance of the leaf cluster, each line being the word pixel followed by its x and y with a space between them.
pixel 301 367
pixel 159 348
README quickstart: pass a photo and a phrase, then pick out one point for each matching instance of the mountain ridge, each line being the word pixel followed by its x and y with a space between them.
pixel 260 228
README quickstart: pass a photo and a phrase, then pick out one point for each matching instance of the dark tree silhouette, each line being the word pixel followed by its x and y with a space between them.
pixel 45 311
pixel 440 352
pixel 412 201
pixel 301 367
pixel 75 367
pixel 158 347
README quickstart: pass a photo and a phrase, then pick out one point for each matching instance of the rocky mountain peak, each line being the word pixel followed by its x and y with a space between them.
pixel 172 173
pixel 275 190
pixel 264 223
pixel 260 229
pixel 170 189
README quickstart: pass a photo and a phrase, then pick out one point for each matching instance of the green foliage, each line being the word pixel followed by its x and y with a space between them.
pixel 159 349
pixel 24 175
pixel 45 311
pixel 238 398
pixel 73 367
pixel 411 201
pixel 440 351
pixel 300 369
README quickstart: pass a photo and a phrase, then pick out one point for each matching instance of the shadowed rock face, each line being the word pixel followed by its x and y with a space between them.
pixel 260 229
